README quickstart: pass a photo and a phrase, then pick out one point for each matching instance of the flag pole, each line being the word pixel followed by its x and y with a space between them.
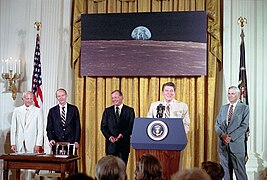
pixel 242 84
pixel 37 26
pixel 242 21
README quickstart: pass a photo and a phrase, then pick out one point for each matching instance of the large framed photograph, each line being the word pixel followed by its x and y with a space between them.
pixel 144 44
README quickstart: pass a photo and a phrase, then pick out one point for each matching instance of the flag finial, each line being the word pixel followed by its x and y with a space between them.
pixel 37 26
pixel 242 21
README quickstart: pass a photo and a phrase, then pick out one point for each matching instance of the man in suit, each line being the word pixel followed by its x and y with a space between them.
pixel 26 132
pixel 231 126
pixel 170 107
pixel 63 121
pixel 27 128
pixel 116 126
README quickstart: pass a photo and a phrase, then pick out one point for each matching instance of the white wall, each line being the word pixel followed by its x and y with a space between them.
pixel 256 51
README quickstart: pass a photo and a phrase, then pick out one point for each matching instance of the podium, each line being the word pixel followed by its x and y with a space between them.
pixel 164 138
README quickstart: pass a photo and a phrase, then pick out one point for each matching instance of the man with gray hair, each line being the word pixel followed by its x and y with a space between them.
pixel 110 167
pixel 231 125
pixel 26 132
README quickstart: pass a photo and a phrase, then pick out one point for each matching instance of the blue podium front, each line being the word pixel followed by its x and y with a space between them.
pixel 159 134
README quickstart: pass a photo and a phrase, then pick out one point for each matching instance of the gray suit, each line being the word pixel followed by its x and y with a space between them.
pixel 232 155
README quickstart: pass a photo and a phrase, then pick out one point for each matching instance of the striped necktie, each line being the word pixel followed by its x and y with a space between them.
pixel 63 116
pixel 167 113
pixel 230 113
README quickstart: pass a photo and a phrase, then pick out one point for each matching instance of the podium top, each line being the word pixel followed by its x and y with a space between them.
pixel 159 134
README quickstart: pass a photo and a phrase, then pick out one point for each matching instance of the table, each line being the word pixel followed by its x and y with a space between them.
pixel 39 162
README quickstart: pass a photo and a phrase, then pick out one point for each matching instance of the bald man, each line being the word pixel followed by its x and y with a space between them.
pixel 26 132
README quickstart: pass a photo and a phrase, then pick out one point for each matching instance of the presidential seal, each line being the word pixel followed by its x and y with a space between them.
pixel 157 130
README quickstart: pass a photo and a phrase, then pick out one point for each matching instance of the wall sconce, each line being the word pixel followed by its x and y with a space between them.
pixel 11 72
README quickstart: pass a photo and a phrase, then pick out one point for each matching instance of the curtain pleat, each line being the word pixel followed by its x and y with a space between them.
pixel 93 94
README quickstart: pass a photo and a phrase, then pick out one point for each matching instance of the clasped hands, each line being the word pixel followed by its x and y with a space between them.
pixel 113 139
pixel 226 139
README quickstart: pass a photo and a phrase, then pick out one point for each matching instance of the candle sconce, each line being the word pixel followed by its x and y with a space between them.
pixel 11 74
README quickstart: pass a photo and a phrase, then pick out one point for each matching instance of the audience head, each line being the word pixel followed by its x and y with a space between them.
pixel 214 169
pixel 110 168
pixel 191 174
pixel 79 176
pixel 148 168
pixel 263 174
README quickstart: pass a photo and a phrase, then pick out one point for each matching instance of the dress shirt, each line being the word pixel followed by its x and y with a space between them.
pixel 120 107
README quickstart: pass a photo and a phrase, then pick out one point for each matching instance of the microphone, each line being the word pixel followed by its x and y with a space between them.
pixel 160 110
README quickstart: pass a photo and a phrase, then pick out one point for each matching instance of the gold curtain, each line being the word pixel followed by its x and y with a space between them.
pixel 92 95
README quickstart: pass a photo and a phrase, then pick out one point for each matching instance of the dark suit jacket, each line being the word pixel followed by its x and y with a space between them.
pixel 236 129
pixel 56 131
pixel 110 127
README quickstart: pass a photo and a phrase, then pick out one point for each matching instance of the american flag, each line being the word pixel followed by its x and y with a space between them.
pixel 36 77
pixel 242 84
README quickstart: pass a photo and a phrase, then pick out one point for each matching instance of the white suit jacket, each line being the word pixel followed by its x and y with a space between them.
pixel 31 132
pixel 177 110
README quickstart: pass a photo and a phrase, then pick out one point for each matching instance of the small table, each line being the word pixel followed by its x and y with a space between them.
pixel 59 163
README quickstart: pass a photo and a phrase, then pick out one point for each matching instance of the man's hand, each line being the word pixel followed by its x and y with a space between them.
pixel 37 149
pixel 226 138
pixel 76 145
pixel 112 139
pixel 14 148
pixel 120 136
pixel 52 142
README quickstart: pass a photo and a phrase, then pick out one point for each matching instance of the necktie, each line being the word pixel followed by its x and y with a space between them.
pixel 167 113
pixel 26 116
pixel 230 113
pixel 63 116
pixel 117 114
